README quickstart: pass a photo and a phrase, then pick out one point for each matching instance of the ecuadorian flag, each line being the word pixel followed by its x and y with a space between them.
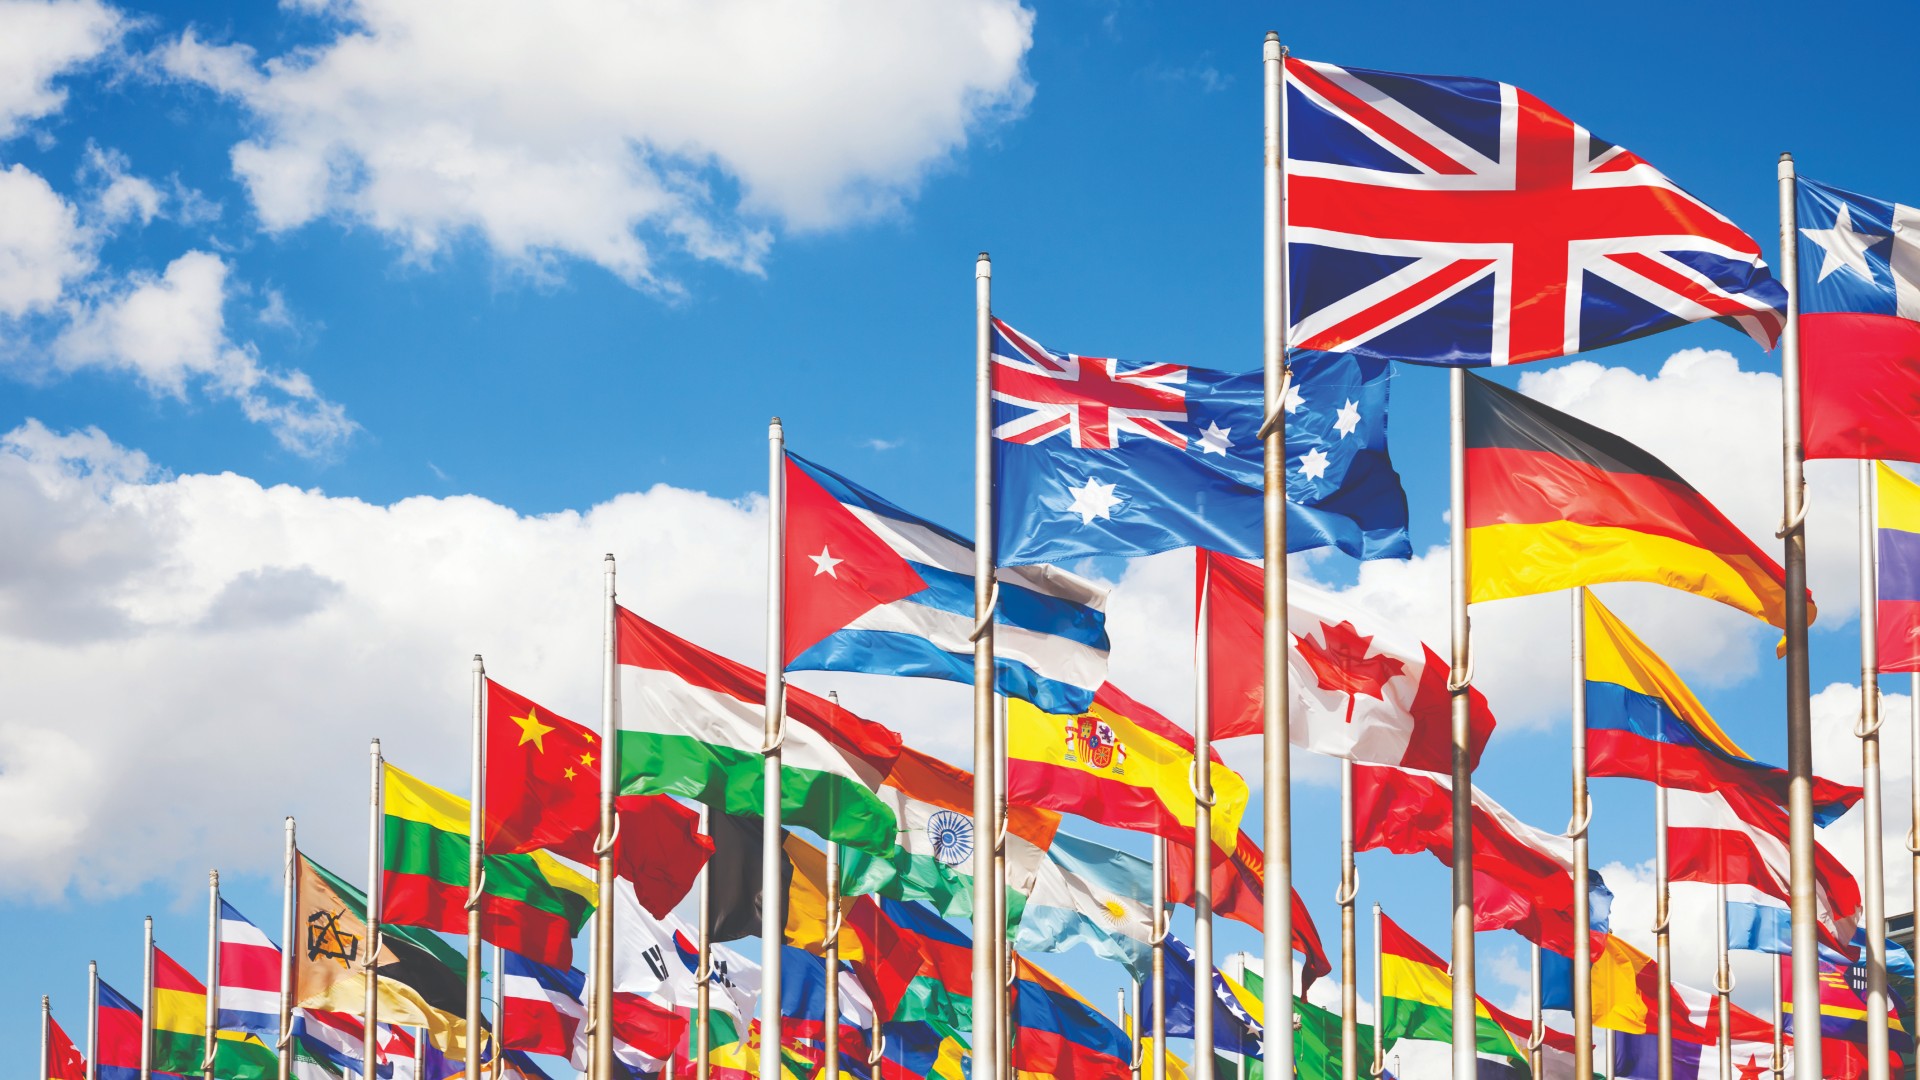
pixel 1644 724
pixel 1897 519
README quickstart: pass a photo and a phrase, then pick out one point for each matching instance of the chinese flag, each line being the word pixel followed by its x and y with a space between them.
pixel 543 779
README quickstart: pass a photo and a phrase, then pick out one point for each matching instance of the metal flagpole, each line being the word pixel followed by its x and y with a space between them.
pixel 1127 1024
pixel 1723 978
pixel 1582 821
pixel 601 1010
pixel 1538 1035
pixel 93 1020
pixel 773 922
pixel 46 1038
pixel 1800 845
pixel 370 1030
pixel 1465 1058
pixel 1003 956
pixel 476 862
pixel 1662 934
pixel 830 1037
pixel 1379 997
pixel 1913 786
pixel 146 1006
pixel 1276 774
pixel 1779 1026
pixel 703 974
pixel 1874 886
pixel 1201 782
pixel 289 944
pixel 213 972
pixel 1159 958
pixel 1609 1055
pixel 1349 978
pixel 499 1012
pixel 986 943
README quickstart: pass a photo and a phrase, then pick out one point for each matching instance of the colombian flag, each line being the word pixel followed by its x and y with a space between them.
pixel 1644 724
pixel 1898 523
pixel 1554 502
pixel 1060 1035
pixel 1120 764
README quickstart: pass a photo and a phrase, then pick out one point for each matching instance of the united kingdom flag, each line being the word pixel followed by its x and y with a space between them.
pixel 1463 222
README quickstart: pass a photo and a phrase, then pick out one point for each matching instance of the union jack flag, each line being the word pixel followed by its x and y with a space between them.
pixel 1462 221
pixel 1092 400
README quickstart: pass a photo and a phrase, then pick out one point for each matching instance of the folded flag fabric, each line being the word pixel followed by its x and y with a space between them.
pixel 734 979
pixel 1119 763
pixel 119 1030
pixel 1843 1007
pixel 692 724
pixel 872 588
pixel 1729 837
pixel 734 878
pixel 1090 894
pixel 916 966
pixel 916 1051
pixel 180 1030
pixel 544 1008
pixel 1522 876
pixel 1239 891
pixel 1059 1035
pixel 1554 502
pixel 64 1060
pixel 531 904
pixel 806 922
pixel 1464 222
pixel 1094 456
pixel 249 977
pixel 1859 324
pixel 1897 520
pixel 1362 687
pixel 1637 1057
pixel 1417 1000
pixel 803 1001
pixel 1626 995
pixel 1645 724
pixel 1235 1029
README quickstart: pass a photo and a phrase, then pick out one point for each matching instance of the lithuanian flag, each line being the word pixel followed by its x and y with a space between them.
pixel 180 1030
pixel 532 904
pixel 1120 764
pixel 1554 502
pixel 1416 994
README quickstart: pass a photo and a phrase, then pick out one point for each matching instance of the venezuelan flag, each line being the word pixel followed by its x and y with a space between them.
pixel 1120 764
pixel 1897 521
pixel 1644 724
pixel 1554 502
pixel 1060 1035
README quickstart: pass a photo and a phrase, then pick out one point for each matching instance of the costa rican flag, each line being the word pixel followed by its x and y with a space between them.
pixel 1464 222
pixel 249 977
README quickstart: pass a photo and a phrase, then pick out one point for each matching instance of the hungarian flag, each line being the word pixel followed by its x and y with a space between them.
pixel 1522 876
pixel 1061 1035
pixel 1119 763
pixel 1554 503
pixel 692 724
pixel 64 1061
pixel 916 966
pixel 531 904
pixel 1362 687
pixel 1239 889
pixel 1898 526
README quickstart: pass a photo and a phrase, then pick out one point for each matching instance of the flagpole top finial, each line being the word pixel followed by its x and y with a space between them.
pixel 984 257
pixel 1273 35
pixel 609 556
pixel 479 666
pixel 213 877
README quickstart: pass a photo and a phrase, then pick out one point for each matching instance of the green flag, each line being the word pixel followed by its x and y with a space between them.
pixel 1316 1041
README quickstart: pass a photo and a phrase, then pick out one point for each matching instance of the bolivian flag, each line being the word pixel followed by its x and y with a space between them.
pixel 1554 502
pixel 1120 764
pixel 1417 1000
pixel 180 1030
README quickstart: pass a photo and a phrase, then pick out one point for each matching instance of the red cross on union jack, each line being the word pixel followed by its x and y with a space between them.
pixel 1092 400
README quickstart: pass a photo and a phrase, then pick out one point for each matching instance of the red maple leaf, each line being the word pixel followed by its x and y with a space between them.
pixel 1341 664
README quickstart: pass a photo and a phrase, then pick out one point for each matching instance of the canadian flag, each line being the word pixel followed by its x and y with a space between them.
pixel 1362 689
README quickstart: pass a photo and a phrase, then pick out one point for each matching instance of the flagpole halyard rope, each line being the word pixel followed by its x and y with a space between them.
pixel 1578 826
pixel 1193 785
pixel 1278 416
pixel 601 846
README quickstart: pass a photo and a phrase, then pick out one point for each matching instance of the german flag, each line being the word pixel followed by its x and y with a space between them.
pixel 1554 503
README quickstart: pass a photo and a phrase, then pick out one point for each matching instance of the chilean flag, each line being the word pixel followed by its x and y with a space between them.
pixel 872 588
pixel 1859 324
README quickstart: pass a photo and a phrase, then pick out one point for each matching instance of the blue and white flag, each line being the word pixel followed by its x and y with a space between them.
pixel 1759 924
pixel 1090 894
pixel 892 594
pixel 1094 456
pixel 1235 1031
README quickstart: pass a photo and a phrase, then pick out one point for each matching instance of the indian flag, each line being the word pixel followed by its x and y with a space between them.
pixel 1417 1000
pixel 692 725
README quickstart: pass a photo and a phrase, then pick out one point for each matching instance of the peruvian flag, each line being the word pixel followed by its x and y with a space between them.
pixel 1362 688
pixel 1522 876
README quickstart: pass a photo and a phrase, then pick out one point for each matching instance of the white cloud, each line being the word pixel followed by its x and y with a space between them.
pixel 1836 755
pixel 43 247
pixel 598 130
pixel 39 41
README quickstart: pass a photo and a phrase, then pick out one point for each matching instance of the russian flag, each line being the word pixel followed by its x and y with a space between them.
pixel 872 588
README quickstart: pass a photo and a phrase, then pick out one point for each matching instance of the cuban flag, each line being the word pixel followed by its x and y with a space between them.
pixel 1094 456
pixel 872 588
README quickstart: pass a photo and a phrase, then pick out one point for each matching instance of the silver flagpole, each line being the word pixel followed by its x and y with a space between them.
pixel 476 862
pixel 213 972
pixel 830 1038
pixel 1800 846
pixel 499 1012
pixel 703 1009
pixel 1465 1058
pixel 772 908
pixel 46 1038
pixel 1723 979
pixel 601 1010
pixel 289 928
pixel 1582 820
pixel 1662 934
pixel 1779 1026
pixel 1201 782
pixel 1874 885
pixel 1159 958
pixel 986 943
pixel 1349 978
pixel 1276 775
pixel 1538 1035
pixel 1003 956
pixel 1133 1031
pixel 370 1030
pixel 1379 998
pixel 93 1020
pixel 146 1006
pixel 1609 1055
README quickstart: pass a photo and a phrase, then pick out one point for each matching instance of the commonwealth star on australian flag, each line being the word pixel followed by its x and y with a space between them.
pixel 1099 457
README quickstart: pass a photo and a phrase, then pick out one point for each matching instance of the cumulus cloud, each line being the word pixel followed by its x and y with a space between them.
pixel 43 247
pixel 40 40
pixel 601 130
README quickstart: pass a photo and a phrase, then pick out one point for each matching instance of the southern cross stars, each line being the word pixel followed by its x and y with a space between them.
pixel 1093 500
pixel 1348 418
pixel 1214 440
pixel 1313 465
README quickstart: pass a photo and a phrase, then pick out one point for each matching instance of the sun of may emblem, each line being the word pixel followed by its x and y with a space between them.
pixel 951 835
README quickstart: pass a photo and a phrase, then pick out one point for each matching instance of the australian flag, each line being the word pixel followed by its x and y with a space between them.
pixel 1094 456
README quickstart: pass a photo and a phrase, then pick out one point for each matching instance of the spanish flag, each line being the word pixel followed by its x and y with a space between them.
pixel 1554 502
pixel 1120 764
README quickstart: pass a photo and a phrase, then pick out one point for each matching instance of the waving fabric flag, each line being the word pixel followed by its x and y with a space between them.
pixel 64 1060
pixel 1859 324
pixel 544 1009
pixel 1637 1057
pixel 1462 221
pixel 1843 1007
pixel 916 965
pixel 1729 837
pixel 872 588
pixel 1119 763
pixel 1235 1028
pixel 1061 1036
pixel 1090 894
pixel 542 779
pixel 1316 1038
pixel 1362 687
pixel 1094 456
pixel 1554 502
pixel 1898 512
pixel 120 1031
pixel 249 977
pixel 1239 890
pixel 1417 1001
pixel 1643 723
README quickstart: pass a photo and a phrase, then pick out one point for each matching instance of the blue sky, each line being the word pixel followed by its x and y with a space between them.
pixel 1109 163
